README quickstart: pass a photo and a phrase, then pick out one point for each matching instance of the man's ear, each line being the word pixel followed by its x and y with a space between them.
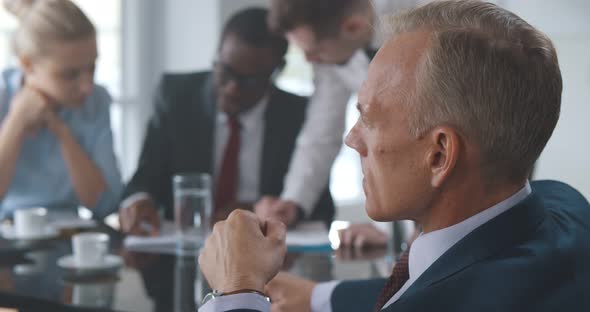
pixel 443 153
pixel 354 26
pixel 26 64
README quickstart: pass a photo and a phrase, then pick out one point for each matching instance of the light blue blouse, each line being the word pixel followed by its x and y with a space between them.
pixel 41 177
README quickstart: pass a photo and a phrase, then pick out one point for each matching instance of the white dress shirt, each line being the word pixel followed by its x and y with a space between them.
pixel 427 248
pixel 235 302
pixel 320 139
pixel 250 157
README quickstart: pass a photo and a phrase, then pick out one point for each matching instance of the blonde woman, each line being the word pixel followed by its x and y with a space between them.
pixel 56 146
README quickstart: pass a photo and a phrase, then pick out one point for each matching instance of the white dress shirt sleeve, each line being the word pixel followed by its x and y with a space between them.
pixel 238 301
pixel 321 296
pixel 132 199
pixel 319 141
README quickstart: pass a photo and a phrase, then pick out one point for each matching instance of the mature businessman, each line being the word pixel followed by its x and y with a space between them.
pixel 458 105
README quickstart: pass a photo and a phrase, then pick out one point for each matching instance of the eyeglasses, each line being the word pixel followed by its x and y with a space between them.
pixel 225 73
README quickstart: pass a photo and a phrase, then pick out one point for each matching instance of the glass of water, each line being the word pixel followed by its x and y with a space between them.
pixel 192 211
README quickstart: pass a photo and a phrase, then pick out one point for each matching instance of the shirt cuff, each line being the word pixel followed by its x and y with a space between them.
pixel 238 301
pixel 321 295
pixel 133 198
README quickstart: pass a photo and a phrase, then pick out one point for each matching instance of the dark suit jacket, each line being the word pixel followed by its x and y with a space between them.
pixel 180 138
pixel 533 257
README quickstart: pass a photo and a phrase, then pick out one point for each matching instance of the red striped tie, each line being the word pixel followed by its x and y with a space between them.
pixel 227 180
pixel 398 278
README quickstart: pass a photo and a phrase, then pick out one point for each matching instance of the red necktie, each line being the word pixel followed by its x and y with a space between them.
pixel 227 180
pixel 398 278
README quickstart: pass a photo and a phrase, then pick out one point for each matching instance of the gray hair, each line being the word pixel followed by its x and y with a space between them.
pixel 489 74
pixel 43 23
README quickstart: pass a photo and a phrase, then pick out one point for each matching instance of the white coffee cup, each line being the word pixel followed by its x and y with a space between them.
pixel 90 249
pixel 30 222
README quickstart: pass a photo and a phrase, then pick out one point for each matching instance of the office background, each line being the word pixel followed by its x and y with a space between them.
pixel 140 39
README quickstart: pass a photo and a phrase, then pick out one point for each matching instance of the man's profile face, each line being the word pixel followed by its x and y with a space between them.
pixel 396 175
pixel 332 50
pixel 242 74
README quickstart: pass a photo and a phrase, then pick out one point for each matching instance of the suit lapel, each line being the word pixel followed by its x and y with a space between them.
pixel 505 230
pixel 271 140
pixel 206 123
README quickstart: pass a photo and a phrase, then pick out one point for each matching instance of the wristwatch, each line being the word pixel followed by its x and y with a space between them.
pixel 216 293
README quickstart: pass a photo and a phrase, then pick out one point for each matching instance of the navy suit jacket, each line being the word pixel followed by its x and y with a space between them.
pixel 533 257
pixel 180 138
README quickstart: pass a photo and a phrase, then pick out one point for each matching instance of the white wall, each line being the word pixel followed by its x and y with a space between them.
pixel 193 29
pixel 142 61
pixel 567 23
pixel 191 33
pixel 229 7
pixel 181 35
pixel 160 36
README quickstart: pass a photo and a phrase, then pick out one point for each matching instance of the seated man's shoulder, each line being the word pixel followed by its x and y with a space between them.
pixel 564 204
pixel 288 105
pixel 556 190
pixel 179 90
pixel 184 79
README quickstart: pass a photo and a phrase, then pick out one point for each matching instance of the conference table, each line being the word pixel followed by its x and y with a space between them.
pixel 32 280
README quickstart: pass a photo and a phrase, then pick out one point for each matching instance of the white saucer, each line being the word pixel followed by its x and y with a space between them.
pixel 110 262
pixel 48 233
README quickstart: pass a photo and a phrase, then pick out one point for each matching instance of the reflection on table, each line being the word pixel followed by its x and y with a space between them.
pixel 31 280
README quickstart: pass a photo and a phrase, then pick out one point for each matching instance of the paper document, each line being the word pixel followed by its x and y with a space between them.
pixel 307 236
pixel 310 236
pixel 73 223
pixel 167 237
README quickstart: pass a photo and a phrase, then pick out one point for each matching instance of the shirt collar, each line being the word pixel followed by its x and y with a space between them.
pixel 427 248
pixel 249 118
